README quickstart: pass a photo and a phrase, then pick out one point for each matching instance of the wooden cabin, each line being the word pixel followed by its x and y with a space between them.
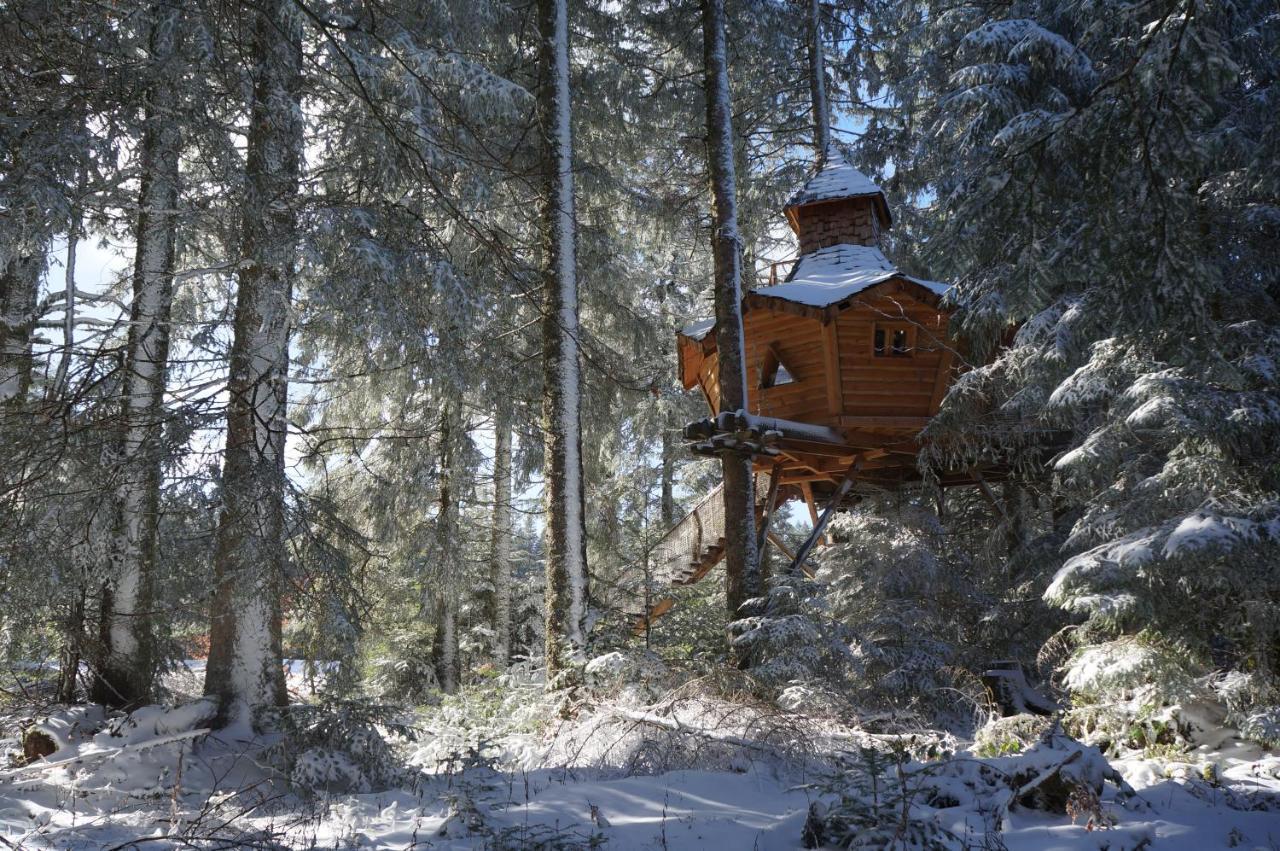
pixel 846 345
pixel 847 359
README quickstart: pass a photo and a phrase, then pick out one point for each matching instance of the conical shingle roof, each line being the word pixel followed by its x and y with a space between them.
pixel 837 180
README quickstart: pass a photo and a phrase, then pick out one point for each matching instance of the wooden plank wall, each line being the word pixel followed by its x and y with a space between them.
pixel 798 340
pixel 889 386
pixel 868 386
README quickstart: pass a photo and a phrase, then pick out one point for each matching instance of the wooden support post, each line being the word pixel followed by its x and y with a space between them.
pixel 988 493
pixel 786 551
pixel 770 503
pixel 806 490
pixel 846 485
pixel 652 613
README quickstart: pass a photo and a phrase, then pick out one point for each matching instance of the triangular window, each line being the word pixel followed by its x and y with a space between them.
pixel 773 371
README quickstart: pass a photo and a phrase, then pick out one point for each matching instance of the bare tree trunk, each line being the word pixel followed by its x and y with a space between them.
pixel 444 650
pixel 74 226
pixel 126 670
pixel 19 287
pixel 668 506
pixel 742 564
pixel 818 85
pixel 245 670
pixel 500 551
pixel 72 650
pixel 566 565
pixel 1013 495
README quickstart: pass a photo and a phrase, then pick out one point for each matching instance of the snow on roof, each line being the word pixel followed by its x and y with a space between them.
pixel 832 274
pixel 698 330
pixel 826 277
pixel 835 180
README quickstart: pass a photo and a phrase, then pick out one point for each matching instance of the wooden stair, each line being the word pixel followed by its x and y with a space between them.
pixel 684 555
pixel 711 556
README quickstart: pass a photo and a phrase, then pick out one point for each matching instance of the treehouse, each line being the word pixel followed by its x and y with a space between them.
pixel 847 358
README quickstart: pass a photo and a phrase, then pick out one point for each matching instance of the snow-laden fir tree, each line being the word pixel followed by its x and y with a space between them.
pixel 126 662
pixel 566 589
pixel 1105 186
pixel 244 670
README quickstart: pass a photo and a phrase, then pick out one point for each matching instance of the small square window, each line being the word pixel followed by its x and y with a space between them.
pixel 893 340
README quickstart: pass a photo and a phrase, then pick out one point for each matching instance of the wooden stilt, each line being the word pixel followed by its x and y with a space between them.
pixel 989 494
pixel 786 551
pixel 846 485
pixel 646 620
pixel 806 489
pixel 770 503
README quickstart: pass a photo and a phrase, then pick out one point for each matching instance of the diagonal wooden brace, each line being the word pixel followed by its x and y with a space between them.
pixel 846 485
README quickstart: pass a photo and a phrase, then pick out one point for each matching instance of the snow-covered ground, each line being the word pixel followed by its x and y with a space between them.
pixel 512 769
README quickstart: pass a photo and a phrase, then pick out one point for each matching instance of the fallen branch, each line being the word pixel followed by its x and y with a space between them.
pixel 105 754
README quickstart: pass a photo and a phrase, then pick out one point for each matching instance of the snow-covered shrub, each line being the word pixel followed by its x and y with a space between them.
pixel 904 608
pixel 884 798
pixel 404 671
pixel 501 716
pixel 870 805
pixel 1011 735
pixel 791 640
pixel 1262 726
pixel 638 676
pixel 1251 704
pixel 340 746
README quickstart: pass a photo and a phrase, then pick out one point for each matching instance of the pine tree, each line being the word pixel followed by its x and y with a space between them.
pixel 126 667
pixel 500 542
pixel 244 669
pixel 742 568
pixel 566 590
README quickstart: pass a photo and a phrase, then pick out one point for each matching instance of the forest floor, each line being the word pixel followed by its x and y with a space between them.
pixel 645 767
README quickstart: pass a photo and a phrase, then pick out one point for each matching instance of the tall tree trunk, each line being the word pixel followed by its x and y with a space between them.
pixel 500 551
pixel 668 505
pixel 566 565
pixel 818 85
pixel 126 669
pixel 73 644
pixel 19 288
pixel 444 650
pixel 245 669
pixel 742 564
pixel 74 226
pixel 1013 496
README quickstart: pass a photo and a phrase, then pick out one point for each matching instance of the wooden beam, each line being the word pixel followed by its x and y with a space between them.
pixel 989 494
pixel 770 503
pixel 885 422
pixel 835 386
pixel 943 381
pixel 806 490
pixel 814 447
pixel 846 484
pixel 659 609
pixel 786 551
